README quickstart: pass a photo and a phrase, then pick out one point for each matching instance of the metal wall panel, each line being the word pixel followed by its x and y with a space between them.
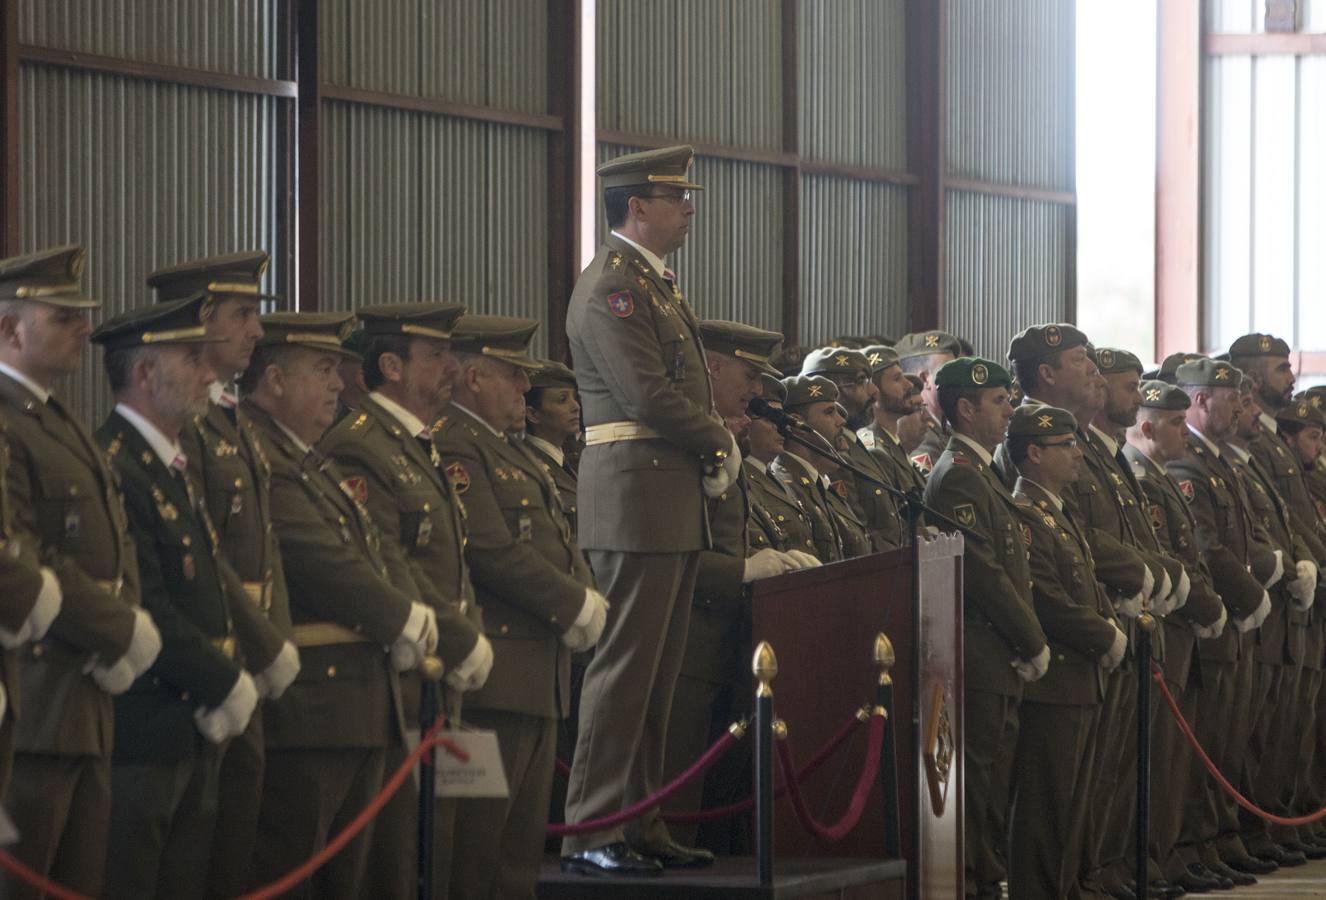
pixel 853 81
pixel 1010 91
pixel 493 53
pixel 423 207
pixel 1312 202
pixel 731 264
pixel 853 258
pixel 702 70
pixel 1006 268
pixel 104 163
pixel 233 37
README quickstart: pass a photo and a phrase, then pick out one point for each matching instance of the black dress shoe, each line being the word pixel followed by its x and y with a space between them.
pixel 1279 855
pixel 1310 850
pixel 611 859
pixel 1253 865
pixel 1198 880
pixel 1240 879
pixel 1163 889
pixel 674 856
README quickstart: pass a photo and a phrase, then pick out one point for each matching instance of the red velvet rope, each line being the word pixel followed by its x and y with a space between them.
pixel 698 768
pixel 1159 678
pixel 45 885
pixel 864 784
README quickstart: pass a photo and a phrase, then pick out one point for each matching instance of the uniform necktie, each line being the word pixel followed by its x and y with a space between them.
pixel 179 462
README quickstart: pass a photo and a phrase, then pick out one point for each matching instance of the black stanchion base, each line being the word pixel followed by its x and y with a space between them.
pixel 735 877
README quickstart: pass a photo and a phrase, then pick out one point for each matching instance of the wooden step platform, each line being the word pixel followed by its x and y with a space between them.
pixel 734 877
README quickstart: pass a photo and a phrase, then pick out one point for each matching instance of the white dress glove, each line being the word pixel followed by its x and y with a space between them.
pixel 272 681
pixel 724 475
pixel 144 645
pixel 1035 668
pixel 417 639
pixel 43 613
pixel 803 559
pixel 1148 581
pixel 766 564
pixel 1215 629
pixel 1130 607
pixel 232 716
pixel 1113 656
pixel 1179 597
pixel 472 673
pixel 1164 589
pixel 586 630
pixel 1304 586
pixel 1257 618
pixel 1279 570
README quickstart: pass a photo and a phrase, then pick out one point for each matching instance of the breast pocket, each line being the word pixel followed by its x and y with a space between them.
pixel 518 496
pixel 63 510
pixel 230 494
pixel 418 514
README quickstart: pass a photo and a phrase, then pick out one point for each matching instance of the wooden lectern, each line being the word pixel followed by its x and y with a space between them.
pixel 822 624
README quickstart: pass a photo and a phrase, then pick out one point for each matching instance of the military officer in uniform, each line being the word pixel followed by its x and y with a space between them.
pixel 912 427
pixel 893 405
pixel 922 354
pixel 226 464
pixel 1156 439
pixel 64 502
pixel 197 695
pixel 358 618
pixel 850 370
pixel 652 443
pixel 537 595
pixel 777 518
pixel 386 452
pixel 1003 643
pixel 552 419
pixel 1057 712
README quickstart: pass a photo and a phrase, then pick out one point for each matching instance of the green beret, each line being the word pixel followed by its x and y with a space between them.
pixel 49 276
pixel 835 361
pixel 1208 373
pixel 1158 394
pixel 924 343
pixel 972 371
pixel 551 374
pixel 664 166
pixel 502 337
pixel 1036 420
pixel 773 389
pixel 231 273
pixel 1111 361
pixel 177 322
pixel 1303 411
pixel 1040 341
pixel 328 331
pixel 1258 345
pixel 880 357
pixel 432 320
pixel 755 345
pixel 804 389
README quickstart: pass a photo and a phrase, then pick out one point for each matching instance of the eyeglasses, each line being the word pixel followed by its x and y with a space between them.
pixel 1071 442
pixel 682 197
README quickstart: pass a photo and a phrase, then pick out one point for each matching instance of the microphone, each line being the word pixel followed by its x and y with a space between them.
pixel 759 408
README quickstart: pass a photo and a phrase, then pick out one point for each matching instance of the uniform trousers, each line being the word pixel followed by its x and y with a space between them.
pixel 627 695
pixel 991 724
pixel 163 818
pixel 239 797
pixel 1049 807
pixel 309 796
pixel 1172 761
pixel 61 805
pixel 1239 716
pixel 1267 765
pixel 1213 729
pixel 1308 795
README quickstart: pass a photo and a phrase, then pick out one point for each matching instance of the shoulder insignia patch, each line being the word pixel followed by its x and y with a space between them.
pixel 356 488
pixel 621 304
pixel 922 463
pixel 1186 489
pixel 965 513
pixel 459 478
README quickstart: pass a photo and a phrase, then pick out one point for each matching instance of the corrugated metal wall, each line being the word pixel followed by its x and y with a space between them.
pixel 417 206
pixel 1010 120
pixel 134 170
pixel 1264 191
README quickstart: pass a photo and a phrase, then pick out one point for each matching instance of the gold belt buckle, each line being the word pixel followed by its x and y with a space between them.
pixel 226 645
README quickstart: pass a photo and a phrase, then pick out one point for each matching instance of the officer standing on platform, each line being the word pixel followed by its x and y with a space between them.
pixel 1003 643
pixel 385 452
pixel 64 502
pixel 197 695
pixel 227 465
pixel 357 617
pixel 552 419
pixel 652 443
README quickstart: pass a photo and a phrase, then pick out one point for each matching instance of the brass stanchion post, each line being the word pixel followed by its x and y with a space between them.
pixel 1146 623
pixel 431 670
pixel 884 659
pixel 765 668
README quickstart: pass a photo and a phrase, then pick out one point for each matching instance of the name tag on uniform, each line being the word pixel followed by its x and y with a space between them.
pixel 481 775
pixel 525 528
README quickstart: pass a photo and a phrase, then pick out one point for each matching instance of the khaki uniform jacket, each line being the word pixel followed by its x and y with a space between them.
pixel 1175 528
pixel 718 577
pixel 813 497
pixel 999 618
pixel 858 539
pixel 414 507
pixel 227 463
pixel 777 518
pixel 932 446
pixel 528 574
pixel 1071 605
pixel 65 500
pixel 20 585
pixel 1224 535
pixel 1100 504
pixel 566 482
pixel 638 358
pixel 870 503
pixel 338 574
pixel 182 587
pixel 902 474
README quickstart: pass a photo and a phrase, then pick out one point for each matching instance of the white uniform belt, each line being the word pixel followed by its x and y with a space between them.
pixel 617 431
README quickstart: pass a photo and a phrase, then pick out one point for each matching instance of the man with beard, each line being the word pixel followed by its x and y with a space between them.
pixel 196 696
pixel 893 404
pixel 386 454
pixel 226 462
pixel 912 427
pixel 777 518
pixel 850 370
pixel 922 354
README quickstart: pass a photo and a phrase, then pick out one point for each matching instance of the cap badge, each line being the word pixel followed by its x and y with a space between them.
pixel 841 361
pixel 1302 410
pixel 1045 421
pixel 1222 374
pixel 816 390
pixel 1053 337
pixel 1152 395
pixel 1264 343
pixel 932 340
pixel 875 358
pixel 1106 358
pixel 979 374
